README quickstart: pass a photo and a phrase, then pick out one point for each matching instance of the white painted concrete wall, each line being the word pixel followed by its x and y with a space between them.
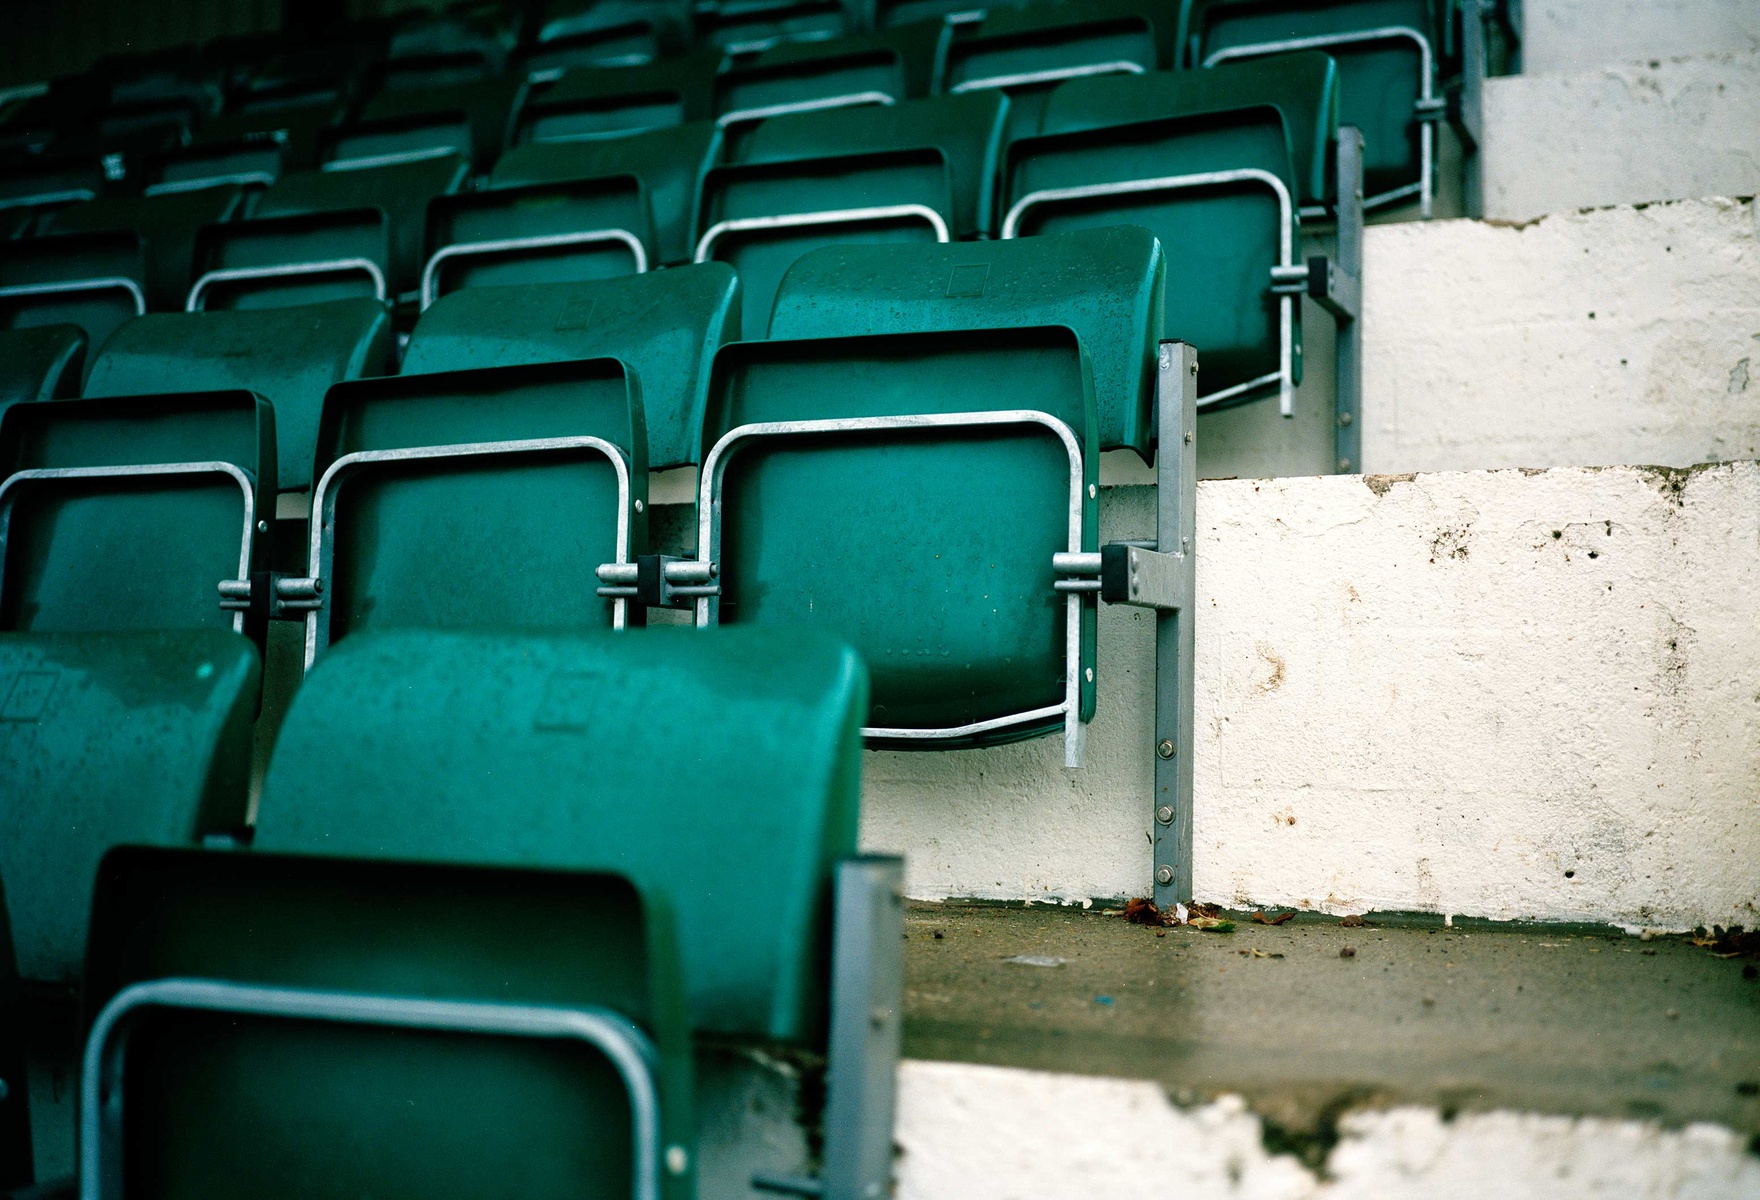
pixel 1660 129
pixel 1571 35
pixel 992 1133
pixel 1616 336
pixel 1410 696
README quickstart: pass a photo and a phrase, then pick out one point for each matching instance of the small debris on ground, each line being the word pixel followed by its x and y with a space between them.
pixel 1429 1001
pixel 1212 925
pixel 1145 912
pixel 1348 952
pixel 1103 1000
pixel 1748 1088
pixel 1352 921
pixel 1673 1014
pixel 1035 960
pixel 1262 919
pixel 939 935
pixel 1255 952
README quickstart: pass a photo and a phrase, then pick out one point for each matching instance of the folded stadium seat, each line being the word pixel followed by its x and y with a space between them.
pixel 606 33
pixel 734 25
pixel 881 68
pixel 669 164
pixel 801 952
pixel 293 96
pixel 1217 164
pixel 912 172
pixel 1027 51
pixel 253 160
pixel 469 117
pixel 1387 54
pixel 374 1006
pixel 598 102
pixel 347 229
pixel 167 223
pixel 96 281
pixel 438 494
pixel 45 363
pixel 32 186
pixel 440 49
pixel 666 326
pixel 291 357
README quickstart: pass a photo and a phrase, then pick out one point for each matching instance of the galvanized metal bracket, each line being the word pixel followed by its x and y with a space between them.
pixel 1326 281
pixel 659 581
pixel 1467 104
pixel 1144 578
pixel 1343 298
pixel 1166 581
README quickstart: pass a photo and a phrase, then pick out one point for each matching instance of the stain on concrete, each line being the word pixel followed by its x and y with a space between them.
pixel 1738 378
pixel 1450 543
pixel 1382 484
pixel 1279 669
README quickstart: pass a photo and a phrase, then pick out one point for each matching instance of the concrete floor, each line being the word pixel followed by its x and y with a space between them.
pixel 1535 1018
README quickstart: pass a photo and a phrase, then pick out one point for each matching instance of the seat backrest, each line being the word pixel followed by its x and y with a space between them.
pixel 51 180
pixel 102 535
pixel 520 751
pixel 1382 47
pixel 16 1170
pixel 669 162
pixel 967 130
pixel 362 1108
pixel 302 259
pixel 412 529
pixel 96 281
pixel 168 224
pixel 763 217
pixel 112 739
pixel 1106 284
pixel 729 26
pixel 907 493
pixel 608 33
pixel 401 190
pixel 288 356
pixel 1218 188
pixel 882 68
pixel 469 117
pixel 1028 50
pixel 246 160
pixel 539 233
pixel 45 363
pixel 665 325
pixel 595 102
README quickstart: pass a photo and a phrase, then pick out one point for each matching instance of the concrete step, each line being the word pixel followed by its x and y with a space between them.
pixel 1513 695
pixel 1622 335
pixel 1659 129
pixel 1574 35
pixel 1263 1063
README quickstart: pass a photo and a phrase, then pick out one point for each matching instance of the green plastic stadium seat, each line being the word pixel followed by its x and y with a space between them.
pixel 438 496
pixel 1207 161
pixel 608 33
pixel 597 102
pixel 483 1025
pixel 1387 54
pixel 96 281
pixel 1027 51
pixel 351 216
pixel 49 181
pixel 969 457
pixel 16 1167
pixel 471 118
pixel 167 223
pixel 539 233
pixel 913 172
pixel 733 24
pixel 669 162
pixel 246 160
pixel 1106 284
pixel 45 363
pixel 290 357
pixel 665 325
pixel 883 68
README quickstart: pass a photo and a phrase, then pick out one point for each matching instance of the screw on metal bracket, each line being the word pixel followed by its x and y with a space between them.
pixel 1344 466
pixel 1344 419
pixel 1164 876
pixel 1164 814
pixel 1165 749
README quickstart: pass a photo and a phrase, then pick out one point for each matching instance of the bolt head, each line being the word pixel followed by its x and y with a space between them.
pixel 1344 466
pixel 1164 876
pixel 677 1160
pixel 1165 749
pixel 1344 420
pixel 1190 438
pixel 1164 814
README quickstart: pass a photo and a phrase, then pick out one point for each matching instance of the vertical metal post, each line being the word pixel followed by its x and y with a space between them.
pixel 867 1018
pixel 1475 66
pixel 1176 467
pixel 1348 425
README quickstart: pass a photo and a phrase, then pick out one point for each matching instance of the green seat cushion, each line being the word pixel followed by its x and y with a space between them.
pixel 115 256
pixel 168 225
pixel 718 769
pixel 105 740
pixel 666 325
pixel 290 356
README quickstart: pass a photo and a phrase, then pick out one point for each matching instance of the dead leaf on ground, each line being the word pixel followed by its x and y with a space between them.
pixel 1262 919
pixel 1144 912
pixel 1353 921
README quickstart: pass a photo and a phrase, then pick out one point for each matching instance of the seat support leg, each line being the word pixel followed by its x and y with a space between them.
pixel 1176 467
pixel 1348 417
pixel 1469 117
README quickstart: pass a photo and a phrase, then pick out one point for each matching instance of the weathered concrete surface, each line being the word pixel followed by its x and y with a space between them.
pixel 1662 129
pixel 993 1133
pixel 1411 695
pixel 1481 1019
pixel 1617 336
pixel 1571 35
